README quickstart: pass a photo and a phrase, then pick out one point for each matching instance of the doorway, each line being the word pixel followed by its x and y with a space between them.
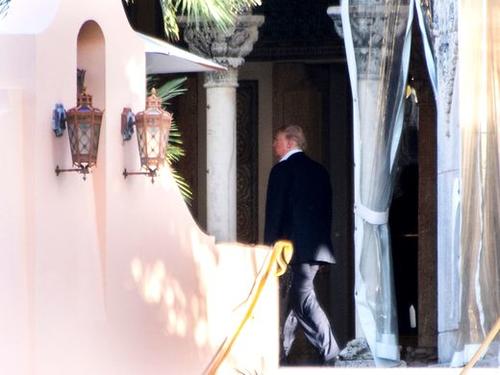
pixel 317 97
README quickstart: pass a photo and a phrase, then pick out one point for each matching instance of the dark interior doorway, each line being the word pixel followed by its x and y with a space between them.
pixel 247 161
pixel 317 97
pixel 403 223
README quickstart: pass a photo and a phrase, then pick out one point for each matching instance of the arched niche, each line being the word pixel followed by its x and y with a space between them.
pixel 91 57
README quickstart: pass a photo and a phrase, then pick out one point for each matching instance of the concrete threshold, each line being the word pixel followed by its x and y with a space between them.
pixel 302 370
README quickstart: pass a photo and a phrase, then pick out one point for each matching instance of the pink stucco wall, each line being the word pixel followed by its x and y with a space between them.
pixel 105 276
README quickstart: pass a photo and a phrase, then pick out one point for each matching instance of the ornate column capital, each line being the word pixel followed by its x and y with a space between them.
pixel 334 13
pixel 442 24
pixel 228 48
pixel 368 25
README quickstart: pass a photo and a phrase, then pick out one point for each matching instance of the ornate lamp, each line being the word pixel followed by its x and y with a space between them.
pixel 153 126
pixel 84 126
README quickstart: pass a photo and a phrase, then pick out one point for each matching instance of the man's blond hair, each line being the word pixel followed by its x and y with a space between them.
pixel 294 132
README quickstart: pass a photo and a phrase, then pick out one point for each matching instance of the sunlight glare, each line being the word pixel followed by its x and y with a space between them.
pixel 169 297
pixel 153 285
pixel 171 321
pixel 136 269
pixel 165 178
pixel 135 74
pixel 181 326
pixel 179 294
pixel 195 307
pixel 201 333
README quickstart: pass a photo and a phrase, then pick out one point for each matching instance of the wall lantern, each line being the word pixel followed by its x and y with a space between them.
pixel 153 126
pixel 84 126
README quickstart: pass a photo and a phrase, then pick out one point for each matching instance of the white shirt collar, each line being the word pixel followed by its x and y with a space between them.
pixel 290 153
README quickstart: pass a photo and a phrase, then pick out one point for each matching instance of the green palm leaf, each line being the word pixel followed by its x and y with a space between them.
pixel 167 91
pixel 170 89
pixel 219 13
pixel 4 6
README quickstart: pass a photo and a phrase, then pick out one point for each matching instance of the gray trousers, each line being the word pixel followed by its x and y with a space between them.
pixel 306 311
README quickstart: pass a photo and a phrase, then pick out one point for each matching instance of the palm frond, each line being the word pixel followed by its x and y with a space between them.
pixel 167 91
pixel 175 150
pixel 171 89
pixel 184 187
pixel 4 6
pixel 219 13
pixel 170 25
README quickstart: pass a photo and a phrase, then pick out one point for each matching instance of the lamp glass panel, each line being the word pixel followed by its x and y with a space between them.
pixel 73 139
pixel 141 139
pixel 84 137
pixel 152 136
pixel 154 139
pixel 95 141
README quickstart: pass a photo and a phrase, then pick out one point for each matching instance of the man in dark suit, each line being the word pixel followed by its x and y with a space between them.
pixel 298 208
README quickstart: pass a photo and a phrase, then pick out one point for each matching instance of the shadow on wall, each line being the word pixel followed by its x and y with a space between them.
pixel 184 311
pixel 205 313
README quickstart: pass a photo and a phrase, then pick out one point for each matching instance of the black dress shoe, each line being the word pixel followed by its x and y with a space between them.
pixel 330 362
pixel 284 361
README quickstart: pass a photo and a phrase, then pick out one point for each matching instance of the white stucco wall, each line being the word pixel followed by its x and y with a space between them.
pixel 108 275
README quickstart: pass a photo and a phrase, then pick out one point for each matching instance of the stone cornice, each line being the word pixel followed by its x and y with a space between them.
pixel 229 78
pixel 275 51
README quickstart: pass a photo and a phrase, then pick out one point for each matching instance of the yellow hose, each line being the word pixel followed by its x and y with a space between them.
pixel 277 262
pixel 482 349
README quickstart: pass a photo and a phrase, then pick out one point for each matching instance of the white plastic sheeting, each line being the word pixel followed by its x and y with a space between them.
pixel 438 26
pixel 479 66
pixel 476 235
pixel 377 38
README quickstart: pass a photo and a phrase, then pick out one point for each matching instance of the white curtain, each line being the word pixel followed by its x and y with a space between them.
pixel 477 245
pixel 377 37
pixel 479 66
pixel 438 25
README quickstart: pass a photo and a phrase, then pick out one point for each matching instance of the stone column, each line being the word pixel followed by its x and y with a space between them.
pixel 227 48
pixel 441 19
pixel 444 41
pixel 376 32
pixel 370 82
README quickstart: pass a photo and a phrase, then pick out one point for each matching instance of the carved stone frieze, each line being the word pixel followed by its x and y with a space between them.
pixel 427 12
pixel 374 27
pixel 444 39
pixel 228 47
pixel 441 23
pixel 228 78
pixel 334 13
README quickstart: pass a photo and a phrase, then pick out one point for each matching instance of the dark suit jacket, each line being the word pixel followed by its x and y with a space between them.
pixel 299 208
